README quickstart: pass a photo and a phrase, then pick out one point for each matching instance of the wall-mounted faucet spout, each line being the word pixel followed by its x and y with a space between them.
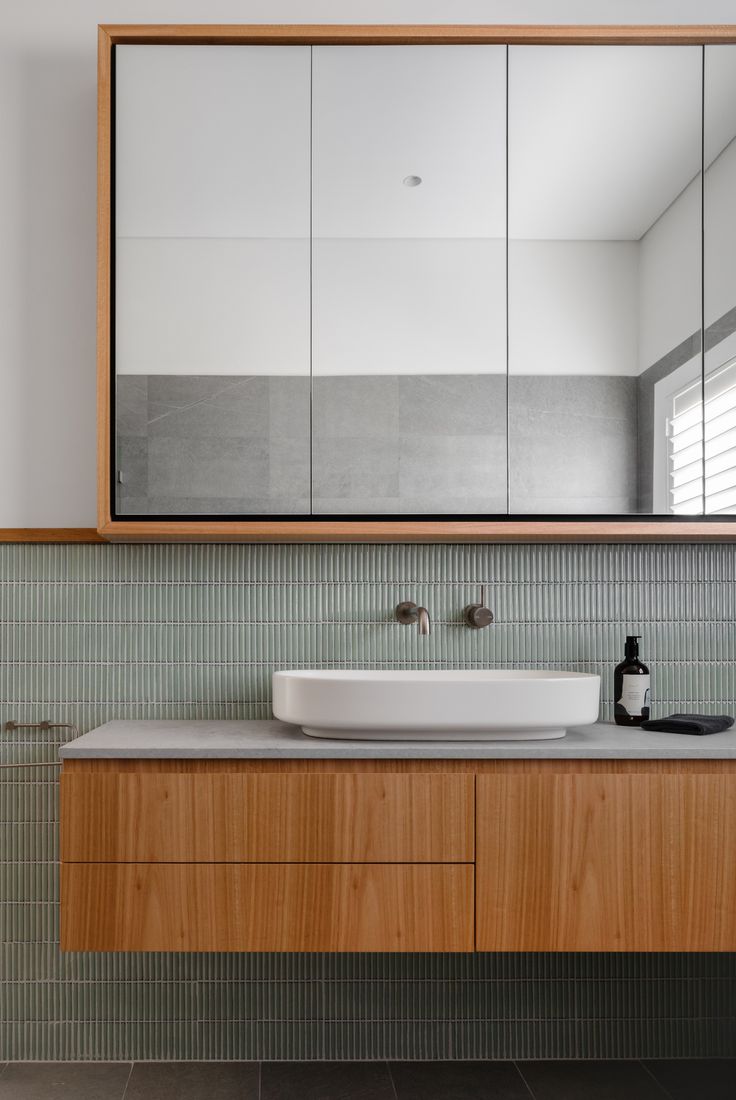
pixel 408 612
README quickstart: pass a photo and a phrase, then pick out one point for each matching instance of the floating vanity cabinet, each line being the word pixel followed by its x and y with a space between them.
pixel 240 856
pixel 398 855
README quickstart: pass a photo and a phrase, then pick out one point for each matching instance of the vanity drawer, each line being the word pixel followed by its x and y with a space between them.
pixel 372 817
pixel 266 907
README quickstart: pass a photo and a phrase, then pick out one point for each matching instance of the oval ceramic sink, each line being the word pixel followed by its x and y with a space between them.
pixel 461 705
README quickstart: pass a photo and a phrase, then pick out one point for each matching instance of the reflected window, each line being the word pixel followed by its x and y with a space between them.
pixel 688 492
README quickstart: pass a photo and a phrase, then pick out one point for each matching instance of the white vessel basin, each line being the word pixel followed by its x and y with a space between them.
pixel 457 705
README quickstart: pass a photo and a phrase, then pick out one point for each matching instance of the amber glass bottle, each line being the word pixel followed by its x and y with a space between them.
pixel 631 685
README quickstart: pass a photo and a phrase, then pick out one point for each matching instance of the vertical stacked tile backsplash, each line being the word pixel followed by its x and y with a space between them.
pixel 89 633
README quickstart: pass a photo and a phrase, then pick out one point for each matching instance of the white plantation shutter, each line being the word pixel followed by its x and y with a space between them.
pixel 703 471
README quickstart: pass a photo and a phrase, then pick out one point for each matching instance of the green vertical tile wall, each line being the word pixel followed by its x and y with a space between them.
pixel 89 633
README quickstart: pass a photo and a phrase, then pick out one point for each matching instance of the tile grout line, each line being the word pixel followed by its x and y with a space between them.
pixel 527 1086
pixel 665 1092
pixel 127 1082
pixel 391 1079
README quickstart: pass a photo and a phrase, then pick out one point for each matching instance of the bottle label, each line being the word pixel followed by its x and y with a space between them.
pixel 635 695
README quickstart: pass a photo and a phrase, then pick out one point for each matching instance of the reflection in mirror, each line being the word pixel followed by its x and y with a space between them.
pixel 409 332
pixel 604 279
pixel 719 291
pixel 212 280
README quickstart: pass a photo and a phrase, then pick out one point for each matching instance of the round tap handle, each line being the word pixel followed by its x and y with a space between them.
pixel 478 615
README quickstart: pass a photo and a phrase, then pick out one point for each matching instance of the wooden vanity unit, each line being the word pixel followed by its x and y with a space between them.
pixel 398 854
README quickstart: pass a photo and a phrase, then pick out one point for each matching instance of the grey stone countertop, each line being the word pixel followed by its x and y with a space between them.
pixel 278 741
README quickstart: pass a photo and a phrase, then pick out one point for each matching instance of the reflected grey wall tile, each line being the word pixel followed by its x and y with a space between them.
pixel 355 467
pixel 289 471
pixel 453 503
pixel 289 407
pixel 212 467
pixel 572 445
pixel 181 390
pixel 446 467
pixel 721 328
pixel 361 406
pixel 238 408
pixel 458 405
pixel 603 397
pixel 585 503
pixel 358 505
pixel 131 404
pixel 131 464
pixel 645 444
pixel 221 445
pixel 223 506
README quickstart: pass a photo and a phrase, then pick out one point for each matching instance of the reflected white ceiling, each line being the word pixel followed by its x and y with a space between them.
pixel 720 100
pixel 382 113
pixel 602 139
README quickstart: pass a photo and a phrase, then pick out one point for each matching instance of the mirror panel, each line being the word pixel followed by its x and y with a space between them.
pixel 604 277
pixel 212 279
pixel 311 293
pixel 409 327
pixel 719 256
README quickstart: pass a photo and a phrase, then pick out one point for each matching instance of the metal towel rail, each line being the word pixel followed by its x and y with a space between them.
pixel 45 725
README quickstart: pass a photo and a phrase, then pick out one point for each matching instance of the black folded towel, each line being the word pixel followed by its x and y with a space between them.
pixel 690 723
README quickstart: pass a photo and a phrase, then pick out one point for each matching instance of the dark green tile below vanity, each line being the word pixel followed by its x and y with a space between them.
pixel 458 1081
pixel 696 1079
pixel 194 1081
pixel 591 1081
pixel 326 1081
pixel 64 1080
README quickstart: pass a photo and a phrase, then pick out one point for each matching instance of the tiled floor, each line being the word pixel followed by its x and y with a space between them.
pixel 667 1080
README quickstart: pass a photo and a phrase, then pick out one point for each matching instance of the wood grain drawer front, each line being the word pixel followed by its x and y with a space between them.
pixel 262 907
pixel 222 817
pixel 606 862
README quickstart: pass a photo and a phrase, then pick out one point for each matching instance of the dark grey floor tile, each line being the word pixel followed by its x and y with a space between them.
pixel 194 1081
pixel 326 1081
pixel 696 1079
pixel 590 1081
pixel 458 1081
pixel 64 1080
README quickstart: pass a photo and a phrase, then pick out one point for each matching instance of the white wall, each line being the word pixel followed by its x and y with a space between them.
pixel 669 278
pixel 47 206
pixel 573 307
pixel 720 234
pixel 670 262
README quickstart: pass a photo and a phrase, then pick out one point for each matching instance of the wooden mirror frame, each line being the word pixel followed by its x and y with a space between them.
pixel 661 529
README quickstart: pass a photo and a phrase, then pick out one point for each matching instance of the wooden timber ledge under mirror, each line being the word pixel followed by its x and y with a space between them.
pixel 417 283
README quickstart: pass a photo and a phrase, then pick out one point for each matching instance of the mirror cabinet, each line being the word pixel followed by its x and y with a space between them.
pixel 425 283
